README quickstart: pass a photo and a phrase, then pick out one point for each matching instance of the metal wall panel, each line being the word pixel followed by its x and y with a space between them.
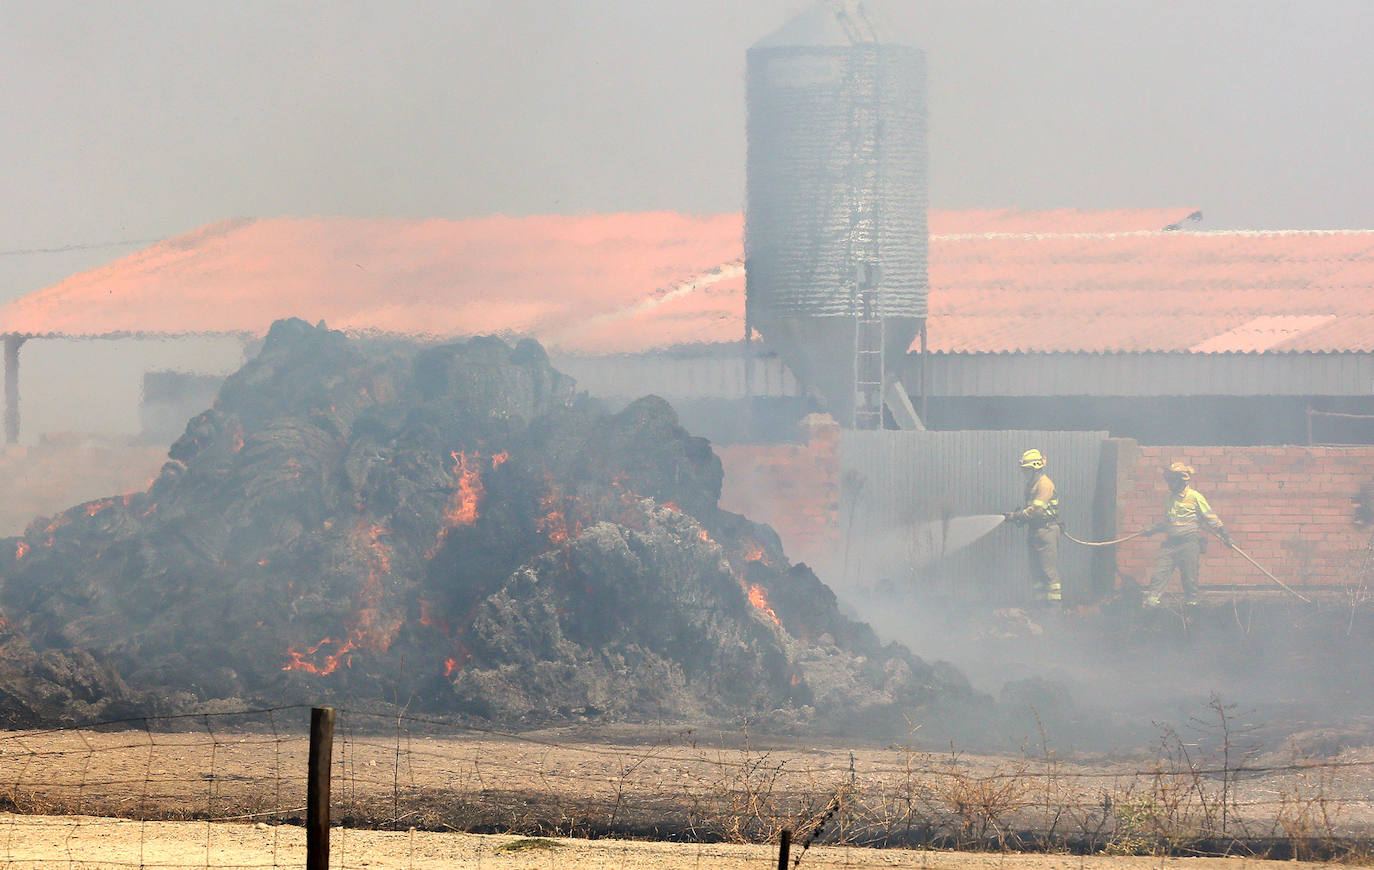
pixel 1146 374
pixel 896 489
pixel 679 377
pixel 721 374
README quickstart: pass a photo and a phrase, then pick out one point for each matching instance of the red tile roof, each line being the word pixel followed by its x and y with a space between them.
pixel 1029 281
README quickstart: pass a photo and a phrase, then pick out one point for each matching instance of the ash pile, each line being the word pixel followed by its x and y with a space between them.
pixel 451 528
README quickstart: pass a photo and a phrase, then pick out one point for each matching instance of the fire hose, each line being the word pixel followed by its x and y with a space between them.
pixel 1246 556
pixel 1262 570
pixel 1102 543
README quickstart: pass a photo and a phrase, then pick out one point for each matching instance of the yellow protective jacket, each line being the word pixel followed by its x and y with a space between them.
pixel 1042 504
pixel 1186 514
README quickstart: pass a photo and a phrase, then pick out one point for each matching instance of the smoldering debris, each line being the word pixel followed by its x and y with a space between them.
pixel 448 527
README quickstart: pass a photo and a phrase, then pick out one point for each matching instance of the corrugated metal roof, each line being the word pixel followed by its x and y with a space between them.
pixel 998 221
pixel 1041 282
pixel 526 276
pixel 592 283
pixel 1152 291
pixel 1263 333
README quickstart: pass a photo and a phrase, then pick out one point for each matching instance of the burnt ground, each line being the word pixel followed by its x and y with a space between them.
pixel 1261 671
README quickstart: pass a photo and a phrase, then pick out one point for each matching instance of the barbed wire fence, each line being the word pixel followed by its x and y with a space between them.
pixel 232 790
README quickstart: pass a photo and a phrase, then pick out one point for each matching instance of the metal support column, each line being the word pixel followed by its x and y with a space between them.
pixel 925 372
pixel 12 344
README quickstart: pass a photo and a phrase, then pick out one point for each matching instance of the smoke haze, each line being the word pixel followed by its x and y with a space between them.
pixel 141 121
pixel 132 122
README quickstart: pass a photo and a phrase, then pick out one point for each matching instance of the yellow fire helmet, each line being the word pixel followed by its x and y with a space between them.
pixel 1033 458
pixel 1179 471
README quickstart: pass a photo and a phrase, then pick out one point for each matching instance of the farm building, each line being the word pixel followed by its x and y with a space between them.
pixel 1094 332
pixel 1057 320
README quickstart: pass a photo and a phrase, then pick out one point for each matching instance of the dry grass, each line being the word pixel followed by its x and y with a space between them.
pixel 1203 792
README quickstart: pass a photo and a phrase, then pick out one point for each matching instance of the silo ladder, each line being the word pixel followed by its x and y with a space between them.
pixel 868 364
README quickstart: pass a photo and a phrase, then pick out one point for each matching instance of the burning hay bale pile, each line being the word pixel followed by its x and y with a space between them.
pixel 449 527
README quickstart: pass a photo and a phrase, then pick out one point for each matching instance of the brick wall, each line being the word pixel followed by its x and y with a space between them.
pixel 792 487
pixel 1291 508
pixel 46 478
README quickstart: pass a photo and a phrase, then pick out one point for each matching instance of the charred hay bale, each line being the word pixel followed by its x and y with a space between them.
pixel 639 622
pixel 646 448
pixel 484 391
pixel 369 519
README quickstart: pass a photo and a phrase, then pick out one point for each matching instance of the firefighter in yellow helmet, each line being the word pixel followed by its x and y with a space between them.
pixel 1186 513
pixel 1041 515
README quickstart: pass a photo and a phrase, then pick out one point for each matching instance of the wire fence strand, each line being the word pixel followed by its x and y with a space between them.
pixel 112 794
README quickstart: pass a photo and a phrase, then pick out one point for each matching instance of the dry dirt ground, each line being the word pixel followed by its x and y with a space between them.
pixel 96 843
pixel 226 792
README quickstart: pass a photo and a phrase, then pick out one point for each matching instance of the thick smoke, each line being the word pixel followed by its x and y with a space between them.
pixel 1105 674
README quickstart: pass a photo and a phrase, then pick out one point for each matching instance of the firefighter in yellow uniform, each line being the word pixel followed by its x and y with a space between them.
pixel 1186 512
pixel 1041 515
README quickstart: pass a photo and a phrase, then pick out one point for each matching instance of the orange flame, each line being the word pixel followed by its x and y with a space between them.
pixel 305 661
pixel 21 549
pixel 628 497
pixel 377 554
pixel 756 553
pixel 463 510
pixel 554 523
pixel 758 596
pixel 96 507
pixel 51 531
pixel 368 630
pixel 429 620
pixel 459 661
pixel 632 513
pixel 498 458
pixel 704 535
pixel 236 438
pixel 470 490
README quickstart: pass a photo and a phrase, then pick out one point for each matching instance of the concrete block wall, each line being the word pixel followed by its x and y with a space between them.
pixel 1291 508
pixel 794 488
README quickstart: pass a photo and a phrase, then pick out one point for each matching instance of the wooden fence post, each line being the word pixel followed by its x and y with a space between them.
pixel 784 846
pixel 317 789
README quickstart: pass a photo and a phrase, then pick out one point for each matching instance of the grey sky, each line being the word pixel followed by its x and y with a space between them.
pixel 134 120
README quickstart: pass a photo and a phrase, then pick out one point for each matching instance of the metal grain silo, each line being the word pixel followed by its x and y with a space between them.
pixel 835 225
